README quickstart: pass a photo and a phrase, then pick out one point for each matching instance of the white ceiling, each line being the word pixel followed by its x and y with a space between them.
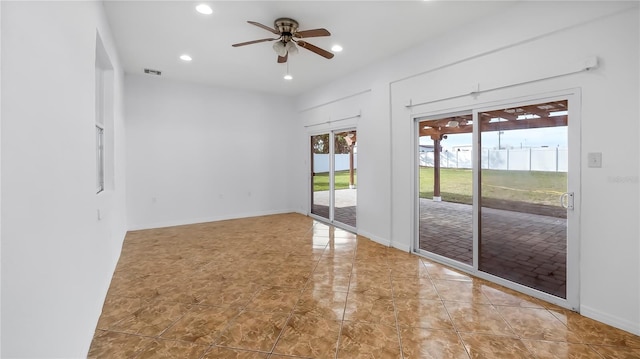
pixel 153 34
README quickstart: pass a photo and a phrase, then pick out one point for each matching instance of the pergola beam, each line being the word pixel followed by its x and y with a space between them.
pixel 554 121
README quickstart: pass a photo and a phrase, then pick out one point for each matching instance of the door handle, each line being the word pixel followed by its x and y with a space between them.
pixel 566 200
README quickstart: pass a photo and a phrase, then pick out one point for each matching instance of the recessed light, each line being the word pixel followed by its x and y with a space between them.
pixel 336 48
pixel 204 9
pixel 288 77
pixel 185 57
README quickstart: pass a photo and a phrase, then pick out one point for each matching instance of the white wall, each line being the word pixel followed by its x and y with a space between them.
pixel 0 179
pixel 57 258
pixel 355 110
pixel 197 153
pixel 496 53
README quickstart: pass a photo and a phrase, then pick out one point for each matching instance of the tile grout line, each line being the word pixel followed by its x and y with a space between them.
pixel 241 310
pixel 455 327
pixel 304 288
pixel 494 306
pixel 346 300
pixel 395 311
pixel 284 326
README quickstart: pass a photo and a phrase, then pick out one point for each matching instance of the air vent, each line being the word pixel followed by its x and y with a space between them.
pixel 153 72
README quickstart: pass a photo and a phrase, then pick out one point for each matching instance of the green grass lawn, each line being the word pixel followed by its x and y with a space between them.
pixel 456 185
pixel 321 180
pixel 522 186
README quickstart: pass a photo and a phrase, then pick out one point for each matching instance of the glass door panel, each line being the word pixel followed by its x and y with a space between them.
pixel 446 187
pixel 345 175
pixel 320 169
pixel 523 177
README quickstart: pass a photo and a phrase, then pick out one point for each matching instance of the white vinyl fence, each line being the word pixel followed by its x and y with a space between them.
pixel 321 162
pixel 521 159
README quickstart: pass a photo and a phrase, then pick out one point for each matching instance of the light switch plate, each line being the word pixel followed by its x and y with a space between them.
pixel 594 159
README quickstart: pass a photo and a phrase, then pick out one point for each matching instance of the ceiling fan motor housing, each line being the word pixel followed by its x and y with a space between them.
pixel 287 28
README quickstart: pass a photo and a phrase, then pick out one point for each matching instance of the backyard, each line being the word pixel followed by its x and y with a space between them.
pixel 523 191
pixel 321 180
pixel 531 191
pixel 456 184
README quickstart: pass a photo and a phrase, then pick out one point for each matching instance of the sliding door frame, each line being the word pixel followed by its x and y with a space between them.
pixel 332 136
pixel 573 96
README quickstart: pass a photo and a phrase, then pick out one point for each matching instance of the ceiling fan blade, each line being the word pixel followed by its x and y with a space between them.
pixel 252 42
pixel 312 33
pixel 264 27
pixel 283 59
pixel 324 53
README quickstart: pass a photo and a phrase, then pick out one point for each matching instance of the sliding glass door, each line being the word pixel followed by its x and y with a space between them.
pixel 320 171
pixel 334 177
pixel 523 181
pixel 495 196
pixel 445 181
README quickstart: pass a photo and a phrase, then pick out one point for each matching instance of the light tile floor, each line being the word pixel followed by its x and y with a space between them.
pixel 286 286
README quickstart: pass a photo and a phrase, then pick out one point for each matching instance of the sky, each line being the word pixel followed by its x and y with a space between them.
pixel 535 137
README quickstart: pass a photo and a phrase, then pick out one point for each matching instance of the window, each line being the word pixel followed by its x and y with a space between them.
pixel 103 119
pixel 99 159
pixel 99 129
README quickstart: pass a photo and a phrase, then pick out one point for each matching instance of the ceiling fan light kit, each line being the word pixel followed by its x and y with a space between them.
pixel 288 37
pixel 291 48
pixel 280 48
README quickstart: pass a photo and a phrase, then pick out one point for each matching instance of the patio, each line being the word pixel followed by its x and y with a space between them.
pixel 345 207
pixel 525 248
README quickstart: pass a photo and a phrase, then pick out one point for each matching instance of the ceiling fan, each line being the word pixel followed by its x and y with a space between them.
pixel 288 37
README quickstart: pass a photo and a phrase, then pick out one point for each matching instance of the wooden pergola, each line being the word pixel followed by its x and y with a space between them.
pixel 548 114
pixel 351 139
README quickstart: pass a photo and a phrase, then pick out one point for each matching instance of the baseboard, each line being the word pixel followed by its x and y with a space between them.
pixel 183 222
pixel 385 242
pixel 375 238
pixel 624 324
pixel 401 246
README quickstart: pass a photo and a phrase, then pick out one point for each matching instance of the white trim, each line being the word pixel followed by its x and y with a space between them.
pixel 475 89
pixel 373 237
pixel 335 100
pixel 405 247
pixel 182 222
pixel 330 121
pixel 385 242
pixel 622 323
